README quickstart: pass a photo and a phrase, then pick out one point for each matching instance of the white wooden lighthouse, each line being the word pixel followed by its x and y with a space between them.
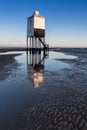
pixel 36 31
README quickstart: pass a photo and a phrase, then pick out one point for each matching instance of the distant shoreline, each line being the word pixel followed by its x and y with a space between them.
pixel 75 50
pixel 11 49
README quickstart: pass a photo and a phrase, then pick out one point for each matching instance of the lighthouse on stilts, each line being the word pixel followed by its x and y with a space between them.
pixel 36 32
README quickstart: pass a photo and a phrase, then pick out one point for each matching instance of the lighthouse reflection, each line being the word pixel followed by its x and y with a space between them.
pixel 35 67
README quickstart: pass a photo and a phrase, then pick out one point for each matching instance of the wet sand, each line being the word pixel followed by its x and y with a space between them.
pixel 8 64
pixel 65 103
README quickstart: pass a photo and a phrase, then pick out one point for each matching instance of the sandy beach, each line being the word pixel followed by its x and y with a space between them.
pixel 62 103
pixel 65 105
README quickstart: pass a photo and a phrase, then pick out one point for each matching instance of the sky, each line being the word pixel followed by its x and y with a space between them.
pixel 66 21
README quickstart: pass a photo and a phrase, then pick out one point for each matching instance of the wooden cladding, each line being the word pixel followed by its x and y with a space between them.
pixel 39 32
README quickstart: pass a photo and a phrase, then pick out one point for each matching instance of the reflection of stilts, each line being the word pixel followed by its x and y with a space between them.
pixel 36 59
pixel 35 63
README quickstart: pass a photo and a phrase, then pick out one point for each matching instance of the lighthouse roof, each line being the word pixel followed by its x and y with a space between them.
pixel 36 14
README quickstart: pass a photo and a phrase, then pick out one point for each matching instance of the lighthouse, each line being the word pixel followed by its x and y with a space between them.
pixel 36 31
